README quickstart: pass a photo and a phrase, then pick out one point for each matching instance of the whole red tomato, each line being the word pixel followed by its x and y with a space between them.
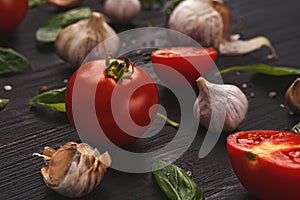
pixel 121 96
pixel 191 62
pixel 267 163
pixel 12 13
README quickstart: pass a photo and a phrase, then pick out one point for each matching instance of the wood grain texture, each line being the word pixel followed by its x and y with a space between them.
pixel 25 130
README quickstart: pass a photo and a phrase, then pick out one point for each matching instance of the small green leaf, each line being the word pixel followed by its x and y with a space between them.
pixel 263 69
pixel 34 3
pixel 175 182
pixel 48 32
pixel 12 61
pixel 52 98
pixel 296 128
pixel 3 103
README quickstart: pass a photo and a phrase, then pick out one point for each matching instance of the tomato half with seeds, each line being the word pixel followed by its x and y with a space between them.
pixel 121 97
pixel 267 162
pixel 191 62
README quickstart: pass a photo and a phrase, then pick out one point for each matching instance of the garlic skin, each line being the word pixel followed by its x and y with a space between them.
pixel 226 96
pixel 292 95
pixel 208 22
pixel 65 3
pixel 74 43
pixel 121 11
pixel 74 169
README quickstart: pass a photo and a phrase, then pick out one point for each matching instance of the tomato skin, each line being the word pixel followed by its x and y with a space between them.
pixel 12 13
pixel 273 176
pixel 110 93
pixel 188 61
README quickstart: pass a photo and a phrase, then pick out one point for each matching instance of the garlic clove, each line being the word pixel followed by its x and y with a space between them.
pixel 226 97
pixel 75 43
pixel 74 169
pixel 65 3
pixel 292 95
pixel 121 11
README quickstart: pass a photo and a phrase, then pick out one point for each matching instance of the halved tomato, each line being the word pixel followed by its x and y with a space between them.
pixel 191 62
pixel 267 162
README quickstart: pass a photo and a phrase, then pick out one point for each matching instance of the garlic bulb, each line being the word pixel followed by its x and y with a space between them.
pixel 65 3
pixel 208 22
pixel 225 96
pixel 74 169
pixel 122 11
pixel 76 41
pixel 292 95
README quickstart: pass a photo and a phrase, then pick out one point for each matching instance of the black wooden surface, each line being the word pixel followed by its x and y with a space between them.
pixel 24 130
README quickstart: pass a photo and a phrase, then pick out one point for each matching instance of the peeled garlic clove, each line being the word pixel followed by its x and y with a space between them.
pixel 75 42
pixel 122 11
pixel 65 3
pixel 225 96
pixel 292 95
pixel 74 169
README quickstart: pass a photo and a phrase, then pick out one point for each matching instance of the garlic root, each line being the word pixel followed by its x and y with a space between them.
pixel 225 96
pixel 74 169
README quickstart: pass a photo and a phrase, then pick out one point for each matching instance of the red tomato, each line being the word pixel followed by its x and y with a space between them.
pixel 111 94
pixel 12 13
pixel 191 62
pixel 267 163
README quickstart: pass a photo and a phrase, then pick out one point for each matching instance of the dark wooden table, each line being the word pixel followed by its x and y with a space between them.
pixel 24 130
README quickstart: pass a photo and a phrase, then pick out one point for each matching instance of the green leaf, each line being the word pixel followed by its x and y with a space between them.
pixel 52 98
pixel 175 182
pixel 48 32
pixel 263 69
pixel 296 128
pixel 3 103
pixel 34 3
pixel 12 61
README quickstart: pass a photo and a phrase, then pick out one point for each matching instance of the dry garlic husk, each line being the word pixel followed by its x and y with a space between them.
pixel 74 169
pixel 292 95
pixel 65 3
pixel 122 11
pixel 225 96
pixel 208 22
pixel 76 41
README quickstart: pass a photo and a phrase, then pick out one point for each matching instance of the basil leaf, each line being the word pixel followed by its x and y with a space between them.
pixel 34 3
pixel 3 103
pixel 296 128
pixel 48 32
pixel 175 182
pixel 263 69
pixel 52 98
pixel 12 61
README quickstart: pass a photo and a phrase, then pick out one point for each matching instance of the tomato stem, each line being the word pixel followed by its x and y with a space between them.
pixel 169 121
pixel 118 70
